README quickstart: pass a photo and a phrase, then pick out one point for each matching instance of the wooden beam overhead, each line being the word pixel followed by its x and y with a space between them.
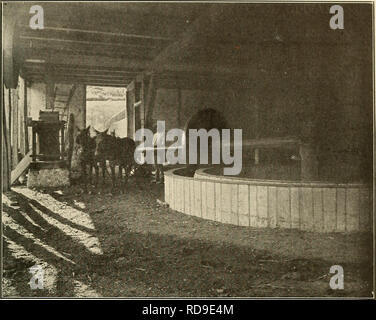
pixel 135 65
pixel 91 43
pixel 75 75
pixel 104 33
pixel 83 16
pixel 76 78
pixel 78 50
pixel 93 82
pixel 76 68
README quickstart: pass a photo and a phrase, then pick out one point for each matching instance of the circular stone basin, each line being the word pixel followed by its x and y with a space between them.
pixel 312 206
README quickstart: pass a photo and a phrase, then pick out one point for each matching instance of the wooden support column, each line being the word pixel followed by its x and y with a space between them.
pixel 50 94
pixel 150 101
pixel 62 150
pixel 14 128
pixel 130 109
pixel 142 106
pixel 5 143
pixel 26 130
pixel 21 136
pixel 34 137
pixel 10 56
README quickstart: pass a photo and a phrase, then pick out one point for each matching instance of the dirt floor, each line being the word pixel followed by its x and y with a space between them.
pixel 131 245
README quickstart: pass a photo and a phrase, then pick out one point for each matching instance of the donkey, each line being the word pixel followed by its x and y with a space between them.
pixel 86 155
pixel 118 152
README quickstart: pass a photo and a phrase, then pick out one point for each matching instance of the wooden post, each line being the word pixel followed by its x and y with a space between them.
pixel 25 119
pixel 130 109
pixel 62 142
pixel 34 142
pixel 84 107
pixel 14 129
pixel 150 100
pixel 5 143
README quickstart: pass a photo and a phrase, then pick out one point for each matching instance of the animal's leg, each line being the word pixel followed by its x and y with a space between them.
pixel 113 178
pixel 90 173
pixel 121 176
pixel 127 170
pixel 96 173
pixel 83 173
pixel 103 164
pixel 103 167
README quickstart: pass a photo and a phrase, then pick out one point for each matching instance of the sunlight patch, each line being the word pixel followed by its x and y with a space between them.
pixel 10 223
pixel 65 211
pixel 50 272
pixel 89 241
pixel 83 290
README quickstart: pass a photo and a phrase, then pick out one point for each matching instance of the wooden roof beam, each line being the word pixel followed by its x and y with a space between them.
pixel 130 65
pixel 104 33
pixel 29 65
pixel 92 43
pixel 93 82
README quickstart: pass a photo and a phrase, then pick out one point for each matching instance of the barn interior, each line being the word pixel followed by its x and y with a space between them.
pixel 301 92
pixel 297 88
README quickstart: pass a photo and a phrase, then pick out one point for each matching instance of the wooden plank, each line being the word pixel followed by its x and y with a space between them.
pixel 226 203
pixel 330 203
pixel 318 217
pixel 253 217
pixel 210 196
pixel 203 200
pixel 365 220
pixel 182 198
pixel 14 128
pixel 234 205
pixel 5 143
pixel 341 209
pixel 187 203
pixel 295 207
pixel 218 199
pixel 197 192
pixel 307 209
pixel 191 197
pixel 133 64
pixel 352 209
pixel 26 133
pixel 272 206
pixel 149 102
pixel 283 207
pixel 243 205
pixel 20 168
pixel 166 189
pixel 262 206
pixel 103 33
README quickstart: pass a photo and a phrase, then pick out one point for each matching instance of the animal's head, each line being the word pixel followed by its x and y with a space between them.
pixel 101 144
pixel 83 136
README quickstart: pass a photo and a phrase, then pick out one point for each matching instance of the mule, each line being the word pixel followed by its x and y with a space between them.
pixel 86 156
pixel 118 152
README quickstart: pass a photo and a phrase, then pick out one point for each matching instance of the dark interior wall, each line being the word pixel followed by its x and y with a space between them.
pixel 328 87
pixel 304 80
